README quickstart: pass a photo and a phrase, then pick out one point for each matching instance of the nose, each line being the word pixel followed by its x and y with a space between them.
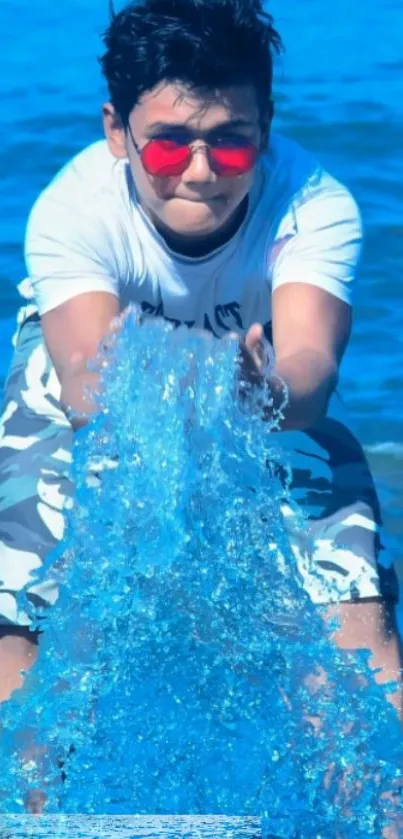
pixel 199 170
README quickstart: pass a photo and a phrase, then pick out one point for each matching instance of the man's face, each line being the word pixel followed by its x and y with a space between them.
pixel 199 201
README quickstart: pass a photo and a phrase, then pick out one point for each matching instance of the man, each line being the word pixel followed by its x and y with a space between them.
pixel 194 209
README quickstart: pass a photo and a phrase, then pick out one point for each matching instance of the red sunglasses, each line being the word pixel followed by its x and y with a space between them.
pixel 163 158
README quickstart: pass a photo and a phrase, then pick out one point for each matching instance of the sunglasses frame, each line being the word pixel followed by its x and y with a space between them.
pixel 140 153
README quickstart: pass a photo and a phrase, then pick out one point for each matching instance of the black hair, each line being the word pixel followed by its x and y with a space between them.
pixel 203 44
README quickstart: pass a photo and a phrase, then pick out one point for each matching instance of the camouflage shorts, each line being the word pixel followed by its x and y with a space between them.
pixel 35 458
pixel 331 481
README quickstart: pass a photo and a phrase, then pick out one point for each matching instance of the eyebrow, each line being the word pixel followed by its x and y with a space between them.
pixel 227 124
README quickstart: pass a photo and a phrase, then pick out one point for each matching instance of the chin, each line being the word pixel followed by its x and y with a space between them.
pixel 195 219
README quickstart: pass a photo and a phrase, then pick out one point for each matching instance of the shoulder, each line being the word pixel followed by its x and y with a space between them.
pixel 93 179
pixel 306 196
pixel 316 234
pixel 76 234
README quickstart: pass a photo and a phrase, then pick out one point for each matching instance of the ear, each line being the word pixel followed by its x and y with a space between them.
pixel 267 118
pixel 114 131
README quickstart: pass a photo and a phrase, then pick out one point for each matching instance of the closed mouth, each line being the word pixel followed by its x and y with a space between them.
pixel 206 200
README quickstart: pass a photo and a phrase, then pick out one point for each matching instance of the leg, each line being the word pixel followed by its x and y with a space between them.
pixel 343 545
pixel 35 457
pixel 35 454
pixel 18 651
pixel 372 625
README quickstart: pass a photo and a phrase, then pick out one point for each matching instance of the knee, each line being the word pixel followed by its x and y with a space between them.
pixel 18 652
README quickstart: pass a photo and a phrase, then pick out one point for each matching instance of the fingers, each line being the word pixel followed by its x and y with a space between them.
pixel 132 310
pixel 254 337
pixel 118 322
pixel 252 352
pixel 255 345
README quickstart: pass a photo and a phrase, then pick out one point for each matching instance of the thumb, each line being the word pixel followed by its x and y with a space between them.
pixel 254 344
pixel 254 337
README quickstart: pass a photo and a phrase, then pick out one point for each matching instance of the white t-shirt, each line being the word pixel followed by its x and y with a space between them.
pixel 87 232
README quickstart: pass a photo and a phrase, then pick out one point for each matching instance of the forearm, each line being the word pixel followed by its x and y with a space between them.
pixel 299 389
pixel 76 386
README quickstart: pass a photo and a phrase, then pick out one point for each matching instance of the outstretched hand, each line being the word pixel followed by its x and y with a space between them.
pixel 254 355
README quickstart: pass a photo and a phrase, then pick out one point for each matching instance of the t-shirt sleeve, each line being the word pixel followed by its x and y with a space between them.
pixel 67 253
pixel 325 248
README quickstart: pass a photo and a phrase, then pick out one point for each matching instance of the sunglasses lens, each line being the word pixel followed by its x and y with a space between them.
pixel 232 161
pixel 165 158
pixel 168 158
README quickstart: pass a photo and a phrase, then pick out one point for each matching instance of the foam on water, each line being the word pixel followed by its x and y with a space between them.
pixel 394 449
pixel 183 660
pixel 130 827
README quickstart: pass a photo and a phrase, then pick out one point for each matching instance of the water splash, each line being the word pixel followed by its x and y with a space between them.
pixel 184 669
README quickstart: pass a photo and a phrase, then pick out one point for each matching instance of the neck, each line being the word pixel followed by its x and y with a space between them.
pixel 203 245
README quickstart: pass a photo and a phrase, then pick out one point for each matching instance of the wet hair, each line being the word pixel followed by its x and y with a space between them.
pixel 203 44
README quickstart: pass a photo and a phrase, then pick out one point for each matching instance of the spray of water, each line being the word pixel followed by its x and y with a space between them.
pixel 184 669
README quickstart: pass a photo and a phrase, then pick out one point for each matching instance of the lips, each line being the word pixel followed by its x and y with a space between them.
pixel 206 200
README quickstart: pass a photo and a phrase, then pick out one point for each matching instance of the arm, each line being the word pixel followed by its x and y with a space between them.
pixel 72 333
pixel 372 626
pixel 72 265
pixel 311 320
pixel 311 329
pixel 312 276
